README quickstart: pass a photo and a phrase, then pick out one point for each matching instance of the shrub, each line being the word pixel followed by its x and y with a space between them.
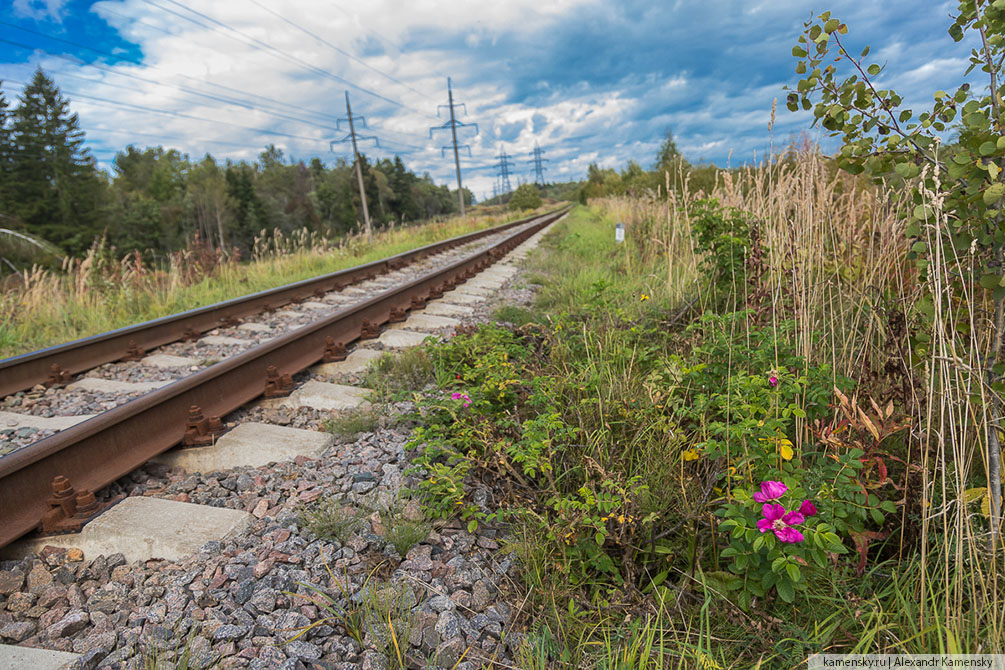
pixel 526 196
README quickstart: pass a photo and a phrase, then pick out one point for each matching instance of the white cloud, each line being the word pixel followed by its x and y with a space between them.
pixel 39 9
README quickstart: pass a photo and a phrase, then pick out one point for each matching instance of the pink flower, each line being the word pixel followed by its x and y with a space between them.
pixel 772 381
pixel 781 523
pixel 457 395
pixel 770 491
pixel 807 508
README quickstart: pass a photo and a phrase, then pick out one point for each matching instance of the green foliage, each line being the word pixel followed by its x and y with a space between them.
pixel 54 190
pixel 159 199
pixel 394 373
pixel 880 136
pixel 331 518
pixel 526 196
pixel 400 532
pixel 352 422
pixel 724 242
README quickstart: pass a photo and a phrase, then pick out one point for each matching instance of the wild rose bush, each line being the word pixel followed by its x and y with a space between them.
pixel 775 534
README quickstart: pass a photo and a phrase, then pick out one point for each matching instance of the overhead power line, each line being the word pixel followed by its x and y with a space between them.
pixel 267 101
pixel 269 48
pixel 339 50
pixel 143 108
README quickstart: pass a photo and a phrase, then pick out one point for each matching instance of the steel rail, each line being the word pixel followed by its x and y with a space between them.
pixel 22 372
pixel 96 452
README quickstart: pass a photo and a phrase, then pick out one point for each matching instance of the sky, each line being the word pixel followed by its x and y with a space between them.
pixel 588 81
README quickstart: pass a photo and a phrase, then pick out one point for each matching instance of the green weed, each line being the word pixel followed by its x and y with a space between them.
pixel 395 373
pixel 330 517
pixel 349 423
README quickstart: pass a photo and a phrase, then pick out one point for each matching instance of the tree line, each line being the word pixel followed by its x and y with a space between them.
pixel 157 200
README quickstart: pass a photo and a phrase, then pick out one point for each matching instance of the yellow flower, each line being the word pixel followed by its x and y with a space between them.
pixel 644 297
pixel 691 455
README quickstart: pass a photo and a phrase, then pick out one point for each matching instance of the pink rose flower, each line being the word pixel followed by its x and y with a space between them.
pixel 770 491
pixel 781 523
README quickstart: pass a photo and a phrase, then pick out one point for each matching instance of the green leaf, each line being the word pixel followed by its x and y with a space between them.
pixel 798 52
pixel 919 247
pixel 993 193
pixel 786 591
pixel 793 571
pixel 877 516
pixel 472 525
pixel 831 26
pixel 873 69
pixel 777 564
pixel 990 281
pixel 599 538
pixel 988 148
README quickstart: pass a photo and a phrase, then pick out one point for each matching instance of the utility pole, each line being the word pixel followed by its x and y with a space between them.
pixel 504 166
pixel 355 152
pixel 538 161
pixel 359 170
pixel 453 124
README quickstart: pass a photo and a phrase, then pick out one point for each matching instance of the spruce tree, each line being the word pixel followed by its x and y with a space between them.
pixel 57 190
pixel 6 162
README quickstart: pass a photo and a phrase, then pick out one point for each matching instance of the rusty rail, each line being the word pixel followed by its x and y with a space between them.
pixel 58 363
pixel 96 452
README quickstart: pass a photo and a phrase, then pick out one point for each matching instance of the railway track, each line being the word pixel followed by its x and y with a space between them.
pixel 55 365
pixel 47 485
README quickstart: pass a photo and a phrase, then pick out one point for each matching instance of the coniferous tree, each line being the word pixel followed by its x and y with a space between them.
pixel 6 162
pixel 57 190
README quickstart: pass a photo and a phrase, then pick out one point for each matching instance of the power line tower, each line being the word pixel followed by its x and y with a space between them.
pixel 353 137
pixel 453 124
pixel 503 166
pixel 539 168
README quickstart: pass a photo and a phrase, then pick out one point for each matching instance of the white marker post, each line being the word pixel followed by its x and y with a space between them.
pixel 619 233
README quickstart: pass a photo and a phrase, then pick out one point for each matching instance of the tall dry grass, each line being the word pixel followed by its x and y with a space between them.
pixel 837 262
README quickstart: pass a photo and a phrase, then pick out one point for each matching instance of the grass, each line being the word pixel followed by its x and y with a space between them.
pixel 156 656
pixel 349 423
pixel 619 420
pixel 99 292
pixel 401 532
pixel 395 373
pixel 331 518
pixel 381 613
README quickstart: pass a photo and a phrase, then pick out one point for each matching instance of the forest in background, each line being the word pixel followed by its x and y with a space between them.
pixel 158 200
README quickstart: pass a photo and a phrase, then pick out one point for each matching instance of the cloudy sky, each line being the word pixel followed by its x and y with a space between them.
pixel 589 81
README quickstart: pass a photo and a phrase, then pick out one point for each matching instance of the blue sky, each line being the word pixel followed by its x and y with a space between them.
pixel 587 80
